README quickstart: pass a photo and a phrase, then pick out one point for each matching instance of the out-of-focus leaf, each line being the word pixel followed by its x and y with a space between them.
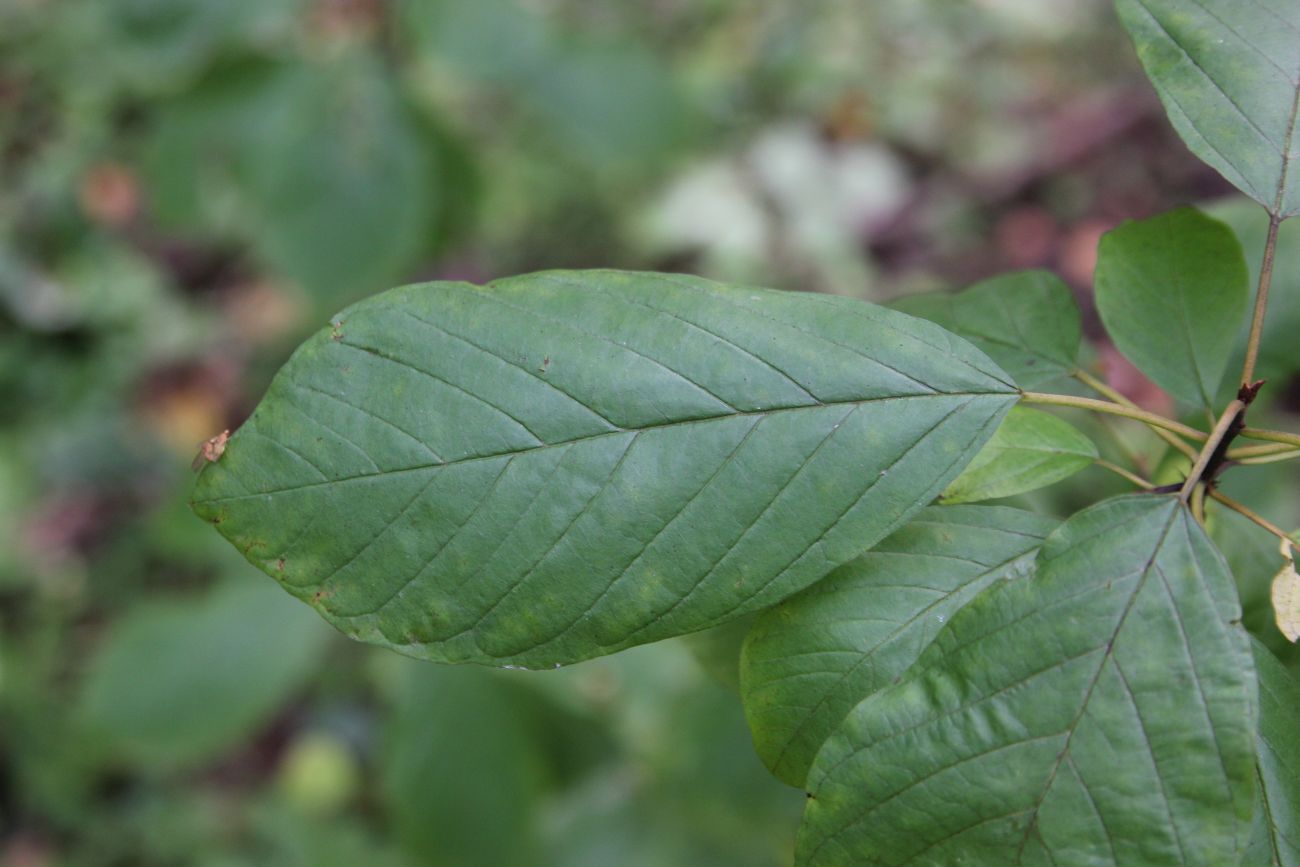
pixel 808 661
pixel 1276 838
pixel 177 682
pixel 323 169
pixel 610 102
pixel 1027 322
pixel 562 465
pixel 462 770
pixel 1031 449
pixel 1172 291
pixel 1228 73
pixel 1102 711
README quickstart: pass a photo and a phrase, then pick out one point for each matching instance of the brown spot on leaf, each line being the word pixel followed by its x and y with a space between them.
pixel 211 450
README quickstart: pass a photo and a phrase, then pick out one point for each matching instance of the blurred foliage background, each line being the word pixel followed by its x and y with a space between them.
pixel 190 187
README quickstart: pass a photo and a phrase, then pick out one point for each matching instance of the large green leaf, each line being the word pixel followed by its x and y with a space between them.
pixel 1228 73
pixel 557 466
pixel 1101 712
pixel 1276 840
pixel 1172 291
pixel 178 681
pixel 1031 449
pixel 1026 321
pixel 808 661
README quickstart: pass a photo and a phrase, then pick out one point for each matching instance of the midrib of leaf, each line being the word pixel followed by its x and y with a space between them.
pixel 714 566
pixel 572 440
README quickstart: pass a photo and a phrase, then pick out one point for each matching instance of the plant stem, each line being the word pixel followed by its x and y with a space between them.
pixel 1273 436
pixel 1246 512
pixel 1150 418
pixel 1274 458
pixel 1211 446
pixel 1106 391
pixel 1261 302
pixel 1258 451
pixel 1120 471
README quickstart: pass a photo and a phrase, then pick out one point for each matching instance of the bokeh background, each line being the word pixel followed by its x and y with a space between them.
pixel 190 187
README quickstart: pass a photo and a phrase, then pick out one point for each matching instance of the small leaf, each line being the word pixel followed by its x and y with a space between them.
pixel 558 466
pixel 1100 712
pixel 1285 594
pixel 1027 322
pixel 1172 291
pixel 177 682
pixel 1228 73
pixel 1031 449
pixel 1276 841
pixel 808 661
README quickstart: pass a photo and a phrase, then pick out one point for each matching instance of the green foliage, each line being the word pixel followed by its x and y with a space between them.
pixel 1275 838
pixel 590 429
pixel 1226 72
pixel 1116 725
pixel 1027 322
pixel 809 660
pixel 1186 272
pixel 1031 449
pixel 146 702
pixel 188 188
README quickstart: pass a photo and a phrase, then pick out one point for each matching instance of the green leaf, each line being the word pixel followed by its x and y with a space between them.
pixel 1276 839
pixel 808 661
pixel 1026 321
pixel 1228 73
pixel 178 682
pixel 557 466
pixel 463 771
pixel 1101 712
pixel 1031 449
pixel 1172 291
pixel 322 168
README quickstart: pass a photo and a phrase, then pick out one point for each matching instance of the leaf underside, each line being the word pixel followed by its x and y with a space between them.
pixel 1100 712
pixel 557 466
pixel 1031 449
pixel 1228 73
pixel 809 660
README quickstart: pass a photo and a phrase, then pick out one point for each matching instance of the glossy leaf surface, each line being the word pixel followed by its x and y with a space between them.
pixel 1100 712
pixel 1172 292
pixel 1031 449
pixel 1228 73
pixel 1026 321
pixel 562 465
pixel 808 661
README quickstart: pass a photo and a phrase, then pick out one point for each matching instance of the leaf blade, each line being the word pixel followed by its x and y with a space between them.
pixel 1031 449
pixel 509 474
pixel 1276 841
pixel 1171 291
pixel 1015 717
pixel 1228 74
pixel 1026 321
pixel 808 661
